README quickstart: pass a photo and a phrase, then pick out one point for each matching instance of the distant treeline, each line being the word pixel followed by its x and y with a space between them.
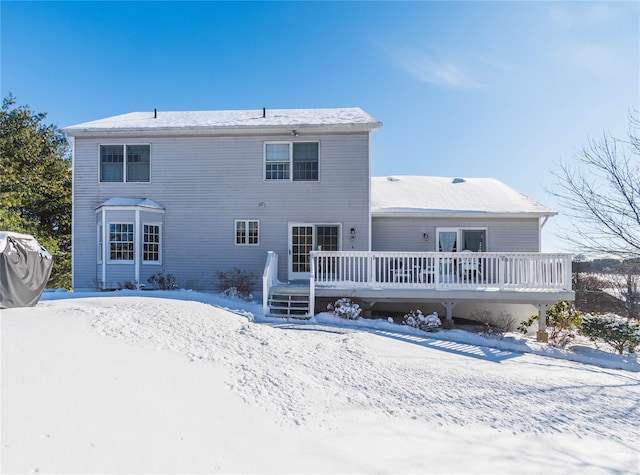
pixel 607 266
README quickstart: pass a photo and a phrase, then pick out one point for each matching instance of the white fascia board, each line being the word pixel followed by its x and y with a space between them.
pixel 213 130
pixel 455 214
pixel 128 208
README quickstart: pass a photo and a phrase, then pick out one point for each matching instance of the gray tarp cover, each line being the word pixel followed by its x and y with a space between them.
pixel 25 267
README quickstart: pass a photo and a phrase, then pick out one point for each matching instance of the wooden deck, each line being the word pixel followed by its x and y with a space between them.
pixel 446 278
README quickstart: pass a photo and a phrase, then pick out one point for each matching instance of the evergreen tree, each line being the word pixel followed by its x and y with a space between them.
pixel 35 184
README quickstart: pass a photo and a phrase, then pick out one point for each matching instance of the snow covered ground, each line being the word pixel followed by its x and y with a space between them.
pixel 185 382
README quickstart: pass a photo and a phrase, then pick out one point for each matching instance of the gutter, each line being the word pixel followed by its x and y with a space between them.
pixel 460 214
pixel 285 129
pixel 73 208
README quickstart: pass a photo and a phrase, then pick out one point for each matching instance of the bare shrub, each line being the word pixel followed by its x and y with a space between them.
pixel 236 283
pixel 163 282
pixel 494 325
pixel 128 285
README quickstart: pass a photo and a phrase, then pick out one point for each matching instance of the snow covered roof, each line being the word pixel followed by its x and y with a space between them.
pixel 140 202
pixel 279 121
pixel 425 196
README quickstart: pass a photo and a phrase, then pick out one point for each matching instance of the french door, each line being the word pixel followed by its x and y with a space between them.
pixel 305 237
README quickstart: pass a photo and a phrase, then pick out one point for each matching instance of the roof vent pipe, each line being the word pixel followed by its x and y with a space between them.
pixel 264 112
pixel 155 113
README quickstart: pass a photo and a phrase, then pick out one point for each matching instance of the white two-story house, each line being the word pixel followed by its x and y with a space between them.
pixel 288 195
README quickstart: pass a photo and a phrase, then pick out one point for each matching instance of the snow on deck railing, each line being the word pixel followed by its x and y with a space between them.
pixel 269 278
pixel 442 270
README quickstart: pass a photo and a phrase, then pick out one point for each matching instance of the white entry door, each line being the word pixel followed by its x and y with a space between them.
pixel 303 238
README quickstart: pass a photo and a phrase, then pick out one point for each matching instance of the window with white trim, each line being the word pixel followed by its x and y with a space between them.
pixel 125 163
pixel 151 243
pixel 100 243
pixel 247 232
pixel 121 243
pixel 291 161
pixel 461 239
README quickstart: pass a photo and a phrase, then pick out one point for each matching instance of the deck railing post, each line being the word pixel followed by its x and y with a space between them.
pixel 312 284
pixel 501 272
pixel 269 278
pixel 567 273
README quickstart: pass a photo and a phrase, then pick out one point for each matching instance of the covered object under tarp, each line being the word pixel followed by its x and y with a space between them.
pixel 25 267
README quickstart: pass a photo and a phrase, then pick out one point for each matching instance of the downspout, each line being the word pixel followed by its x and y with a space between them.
pixel 73 201
pixel 546 218
pixel 544 221
pixel 370 223
pixel 137 241
pixel 104 249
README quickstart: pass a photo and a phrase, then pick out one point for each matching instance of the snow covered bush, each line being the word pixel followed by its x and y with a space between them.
pixel 345 308
pixel 618 332
pixel 427 323
pixel 163 282
pixel 563 321
pixel 236 283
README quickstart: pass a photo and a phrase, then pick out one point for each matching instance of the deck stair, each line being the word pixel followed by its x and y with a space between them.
pixel 289 301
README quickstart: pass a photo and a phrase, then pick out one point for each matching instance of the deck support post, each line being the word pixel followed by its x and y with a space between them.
pixel 448 322
pixel 541 334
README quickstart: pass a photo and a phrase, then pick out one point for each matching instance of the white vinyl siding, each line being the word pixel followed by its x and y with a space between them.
pixel 204 182
pixel 420 234
pixel 125 163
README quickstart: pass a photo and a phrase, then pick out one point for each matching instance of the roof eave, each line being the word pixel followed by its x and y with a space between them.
pixel 221 130
pixel 391 213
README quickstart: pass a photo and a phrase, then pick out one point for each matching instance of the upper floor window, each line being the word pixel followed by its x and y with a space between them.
pixel 247 232
pixel 125 163
pixel 291 161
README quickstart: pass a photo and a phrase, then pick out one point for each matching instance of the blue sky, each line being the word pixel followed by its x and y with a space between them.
pixel 471 89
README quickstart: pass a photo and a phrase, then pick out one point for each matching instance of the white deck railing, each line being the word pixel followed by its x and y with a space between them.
pixel 441 270
pixel 269 278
